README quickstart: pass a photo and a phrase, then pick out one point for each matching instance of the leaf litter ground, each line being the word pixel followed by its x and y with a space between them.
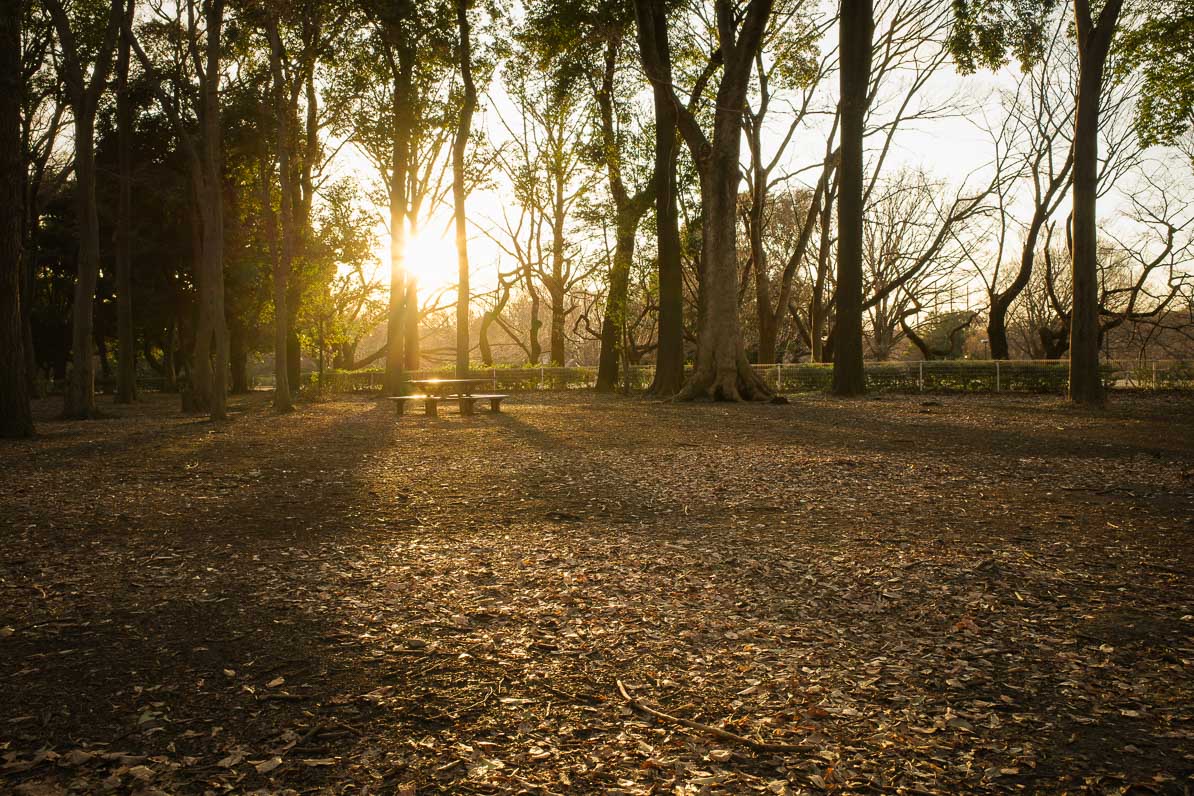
pixel 917 596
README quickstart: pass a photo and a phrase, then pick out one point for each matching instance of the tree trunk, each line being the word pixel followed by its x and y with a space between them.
pixel 238 355
pixel 84 91
pixel 282 256
pixel 857 23
pixel 211 343
pixel 459 144
pixel 722 371
pixel 16 418
pixel 80 388
pixel 655 54
pixel 126 374
pixel 411 335
pixel 483 339
pixel 669 354
pixel 395 378
pixel 294 360
pixel 1094 41
pixel 613 324
pixel 536 349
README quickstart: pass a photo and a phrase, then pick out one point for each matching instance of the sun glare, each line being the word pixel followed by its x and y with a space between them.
pixel 431 257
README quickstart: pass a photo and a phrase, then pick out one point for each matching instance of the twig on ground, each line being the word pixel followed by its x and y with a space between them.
pixel 758 746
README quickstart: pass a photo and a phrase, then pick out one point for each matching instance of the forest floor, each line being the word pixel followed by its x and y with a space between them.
pixel 917 595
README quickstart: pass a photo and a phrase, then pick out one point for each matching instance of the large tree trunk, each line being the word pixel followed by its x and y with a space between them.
pixel 84 92
pixel 282 256
pixel 722 371
pixel 80 388
pixel 396 317
pixel 857 23
pixel 16 419
pixel 126 373
pixel 628 212
pixel 209 364
pixel 669 354
pixel 613 324
pixel 459 144
pixel 1094 42
pixel 655 53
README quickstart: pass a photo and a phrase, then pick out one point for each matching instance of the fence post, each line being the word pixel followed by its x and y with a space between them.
pixel 920 377
pixel 541 378
pixel 997 375
pixel 495 379
pixel 779 377
pixel 1154 374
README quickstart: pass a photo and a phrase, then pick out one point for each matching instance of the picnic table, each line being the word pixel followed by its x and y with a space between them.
pixel 460 390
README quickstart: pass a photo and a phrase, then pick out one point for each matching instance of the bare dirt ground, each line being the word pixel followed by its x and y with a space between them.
pixel 918 595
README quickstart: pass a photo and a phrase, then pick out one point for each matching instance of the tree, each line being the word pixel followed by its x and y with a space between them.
pixel 126 374
pixel 459 189
pixel 985 31
pixel 16 419
pixel 857 24
pixel 1159 47
pixel 284 256
pixel 551 173
pixel 203 145
pixel 1042 112
pixel 83 94
pixel 721 371
pixel 654 47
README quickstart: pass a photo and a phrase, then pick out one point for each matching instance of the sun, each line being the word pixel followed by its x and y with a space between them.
pixel 431 258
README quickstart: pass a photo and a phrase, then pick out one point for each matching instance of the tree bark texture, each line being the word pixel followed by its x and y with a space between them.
pixel 857 24
pixel 1094 42
pixel 126 372
pixel 16 419
pixel 459 145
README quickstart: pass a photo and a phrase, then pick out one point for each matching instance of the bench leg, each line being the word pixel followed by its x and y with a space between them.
pixel 466 406
pixel 401 407
pixel 495 404
pixel 432 407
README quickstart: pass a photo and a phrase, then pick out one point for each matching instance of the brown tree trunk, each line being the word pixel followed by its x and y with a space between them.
pixel 395 378
pixel 857 23
pixel 126 373
pixel 282 256
pixel 669 354
pixel 294 359
pixel 411 315
pixel 1094 42
pixel 209 363
pixel 459 144
pixel 80 387
pixel 722 371
pixel 16 419
pixel 84 91
pixel 238 356
pixel 613 324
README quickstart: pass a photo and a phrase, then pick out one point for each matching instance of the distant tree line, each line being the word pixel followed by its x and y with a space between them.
pixel 718 183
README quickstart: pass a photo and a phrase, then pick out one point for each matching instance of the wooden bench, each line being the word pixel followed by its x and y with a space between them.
pixel 467 402
pixel 431 402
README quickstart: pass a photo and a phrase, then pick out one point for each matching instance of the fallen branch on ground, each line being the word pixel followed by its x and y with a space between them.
pixel 758 746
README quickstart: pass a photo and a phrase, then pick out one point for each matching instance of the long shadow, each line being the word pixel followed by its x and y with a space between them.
pixel 154 638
